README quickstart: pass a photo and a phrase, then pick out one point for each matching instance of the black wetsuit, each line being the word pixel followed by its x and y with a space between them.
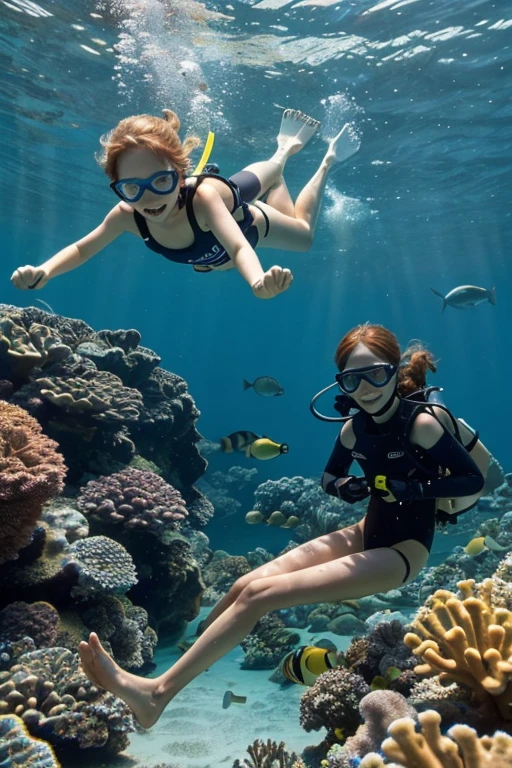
pixel 206 252
pixel 384 449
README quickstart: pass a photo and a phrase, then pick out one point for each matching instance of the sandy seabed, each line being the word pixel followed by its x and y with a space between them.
pixel 196 732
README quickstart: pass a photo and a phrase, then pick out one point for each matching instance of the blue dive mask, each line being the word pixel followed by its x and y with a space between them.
pixel 161 183
pixel 377 375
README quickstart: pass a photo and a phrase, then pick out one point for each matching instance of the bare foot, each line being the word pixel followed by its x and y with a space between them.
pixel 343 146
pixel 295 132
pixel 137 692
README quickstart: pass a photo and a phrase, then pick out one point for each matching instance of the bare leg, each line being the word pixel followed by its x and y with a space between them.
pixel 296 234
pixel 352 576
pixel 316 552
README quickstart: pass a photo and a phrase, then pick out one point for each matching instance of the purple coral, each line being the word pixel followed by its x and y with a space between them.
pixel 137 499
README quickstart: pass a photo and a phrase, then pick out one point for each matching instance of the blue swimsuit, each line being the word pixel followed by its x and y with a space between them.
pixel 206 252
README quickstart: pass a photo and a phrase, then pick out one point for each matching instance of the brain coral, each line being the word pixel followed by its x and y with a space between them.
pixel 31 472
pixel 135 498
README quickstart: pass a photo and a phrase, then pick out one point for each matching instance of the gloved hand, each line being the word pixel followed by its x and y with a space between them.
pixel 403 490
pixel 352 488
pixel 442 518
pixel 343 403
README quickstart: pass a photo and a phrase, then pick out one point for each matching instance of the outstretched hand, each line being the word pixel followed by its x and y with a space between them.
pixel 274 281
pixel 29 278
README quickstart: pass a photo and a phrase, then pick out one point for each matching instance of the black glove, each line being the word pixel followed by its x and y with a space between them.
pixel 352 488
pixel 404 490
pixel 343 404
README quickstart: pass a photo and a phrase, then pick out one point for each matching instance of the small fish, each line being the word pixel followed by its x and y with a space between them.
pixel 264 448
pixel 265 386
pixel 466 296
pixel 481 544
pixel 237 441
pixel 305 664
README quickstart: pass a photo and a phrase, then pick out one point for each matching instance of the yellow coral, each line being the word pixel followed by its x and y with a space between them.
pixel 430 749
pixel 467 641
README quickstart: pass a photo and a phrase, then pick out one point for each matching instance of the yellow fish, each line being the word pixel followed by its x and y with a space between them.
pixel 481 544
pixel 237 441
pixel 264 448
pixel 305 664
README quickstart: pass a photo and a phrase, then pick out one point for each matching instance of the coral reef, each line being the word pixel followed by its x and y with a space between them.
pixel 19 748
pixel 304 499
pixel 468 641
pixel 100 394
pixel 136 499
pixel 461 748
pixel 268 642
pixel 38 621
pixel 31 472
pixel 269 754
pixel 221 573
pixel 57 702
pixel 102 566
pixel 332 702
pixel 378 710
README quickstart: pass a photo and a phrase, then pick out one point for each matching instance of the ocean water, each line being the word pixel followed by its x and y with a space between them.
pixel 425 203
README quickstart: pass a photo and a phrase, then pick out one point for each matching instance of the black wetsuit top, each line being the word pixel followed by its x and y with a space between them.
pixel 206 251
pixel 384 449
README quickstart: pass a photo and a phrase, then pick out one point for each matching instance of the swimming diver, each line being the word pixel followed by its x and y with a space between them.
pixel 206 221
pixel 386 548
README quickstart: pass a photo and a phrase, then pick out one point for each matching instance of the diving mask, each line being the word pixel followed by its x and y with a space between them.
pixel 160 183
pixel 376 375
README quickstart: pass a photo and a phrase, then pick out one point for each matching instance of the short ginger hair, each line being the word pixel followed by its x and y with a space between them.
pixel 157 134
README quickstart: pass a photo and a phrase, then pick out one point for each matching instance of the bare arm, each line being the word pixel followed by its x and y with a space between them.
pixel 74 255
pixel 211 210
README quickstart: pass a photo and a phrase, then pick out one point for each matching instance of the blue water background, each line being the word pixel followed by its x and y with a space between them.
pixel 428 86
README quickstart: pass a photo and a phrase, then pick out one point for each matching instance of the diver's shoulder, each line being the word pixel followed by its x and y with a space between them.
pixel 121 218
pixel 347 434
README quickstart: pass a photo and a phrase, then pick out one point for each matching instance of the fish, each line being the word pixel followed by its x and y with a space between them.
pixel 303 665
pixel 237 441
pixel 265 386
pixel 466 296
pixel 482 544
pixel 264 448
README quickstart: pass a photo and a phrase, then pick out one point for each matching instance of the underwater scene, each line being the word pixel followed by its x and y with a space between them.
pixel 264 519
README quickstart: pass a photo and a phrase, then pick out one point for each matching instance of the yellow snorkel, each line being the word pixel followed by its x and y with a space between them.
pixel 206 154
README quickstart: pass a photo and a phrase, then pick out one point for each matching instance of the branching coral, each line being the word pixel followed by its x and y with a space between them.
pixel 467 641
pixel 429 749
pixel 269 755
pixel 31 472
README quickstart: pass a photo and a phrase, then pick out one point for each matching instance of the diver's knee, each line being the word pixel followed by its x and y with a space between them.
pixel 253 596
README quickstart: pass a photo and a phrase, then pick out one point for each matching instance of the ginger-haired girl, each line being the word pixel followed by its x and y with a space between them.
pixel 207 221
pixel 409 444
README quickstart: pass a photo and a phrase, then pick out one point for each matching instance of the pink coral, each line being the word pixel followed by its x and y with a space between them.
pixel 135 498
pixel 32 471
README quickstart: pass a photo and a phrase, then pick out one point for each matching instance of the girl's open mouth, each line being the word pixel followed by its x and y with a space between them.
pixel 155 211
